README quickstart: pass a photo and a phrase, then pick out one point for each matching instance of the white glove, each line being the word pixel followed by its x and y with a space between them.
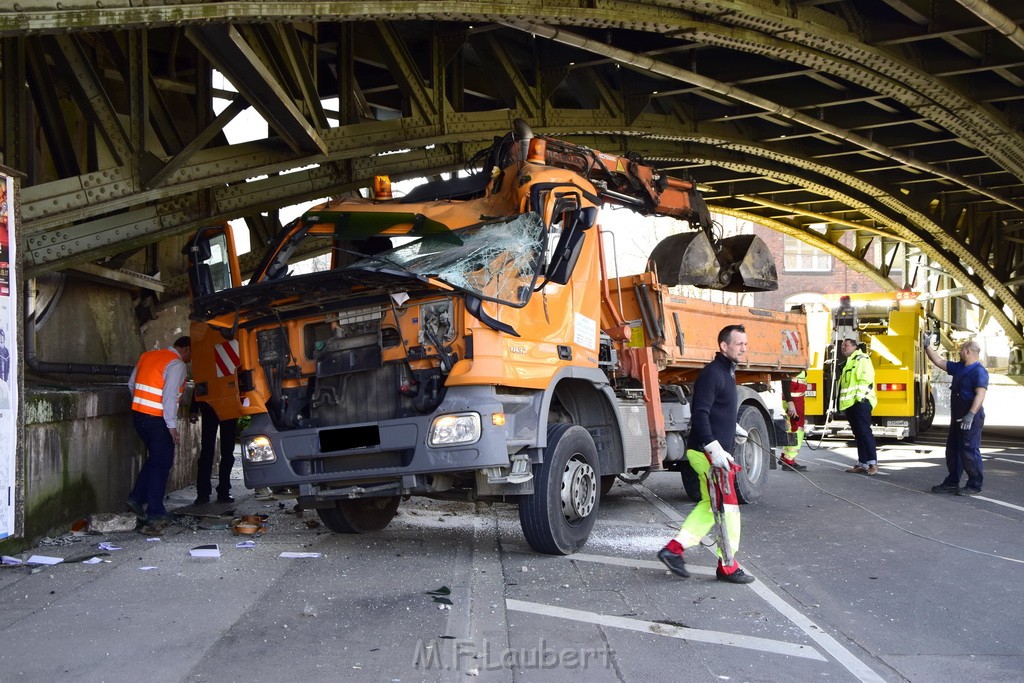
pixel 719 458
pixel 966 421
pixel 791 409
pixel 741 435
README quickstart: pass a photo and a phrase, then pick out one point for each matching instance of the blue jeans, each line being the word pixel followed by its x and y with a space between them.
pixel 859 417
pixel 963 453
pixel 151 484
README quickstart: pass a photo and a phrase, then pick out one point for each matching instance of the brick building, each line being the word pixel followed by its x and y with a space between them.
pixel 806 273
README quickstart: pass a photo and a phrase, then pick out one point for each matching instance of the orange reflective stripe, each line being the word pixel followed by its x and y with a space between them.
pixel 148 394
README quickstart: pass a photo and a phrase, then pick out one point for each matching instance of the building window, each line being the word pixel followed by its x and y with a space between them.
pixel 802 257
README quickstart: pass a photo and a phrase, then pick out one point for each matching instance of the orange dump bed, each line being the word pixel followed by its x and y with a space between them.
pixel 684 332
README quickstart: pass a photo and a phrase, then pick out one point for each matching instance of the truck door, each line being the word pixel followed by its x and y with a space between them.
pixel 212 268
pixel 212 262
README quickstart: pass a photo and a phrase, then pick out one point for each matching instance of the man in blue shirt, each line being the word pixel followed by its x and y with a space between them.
pixel 966 417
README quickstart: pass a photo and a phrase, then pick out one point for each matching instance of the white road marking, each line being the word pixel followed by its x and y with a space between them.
pixel 858 668
pixel 813 631
pixel 993 457
pixel 1000 502
pixel 667 509
pixel 667 630
pixel 995 501
pixel 637 564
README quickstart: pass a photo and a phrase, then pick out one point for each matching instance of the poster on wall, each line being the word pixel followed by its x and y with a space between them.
pixel 8 360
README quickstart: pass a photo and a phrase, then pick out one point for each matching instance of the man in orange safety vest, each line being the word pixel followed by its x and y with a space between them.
pixel 157 383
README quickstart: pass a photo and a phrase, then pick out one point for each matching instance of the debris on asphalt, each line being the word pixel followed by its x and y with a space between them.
pixel 66 539
pixel 108 522
pixel 88 558
pixel 294 555
pixel 44 559
pixel 439 596
pixel 209 550
pixel 107 545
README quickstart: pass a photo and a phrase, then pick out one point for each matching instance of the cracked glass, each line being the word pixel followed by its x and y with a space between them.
pixel 495 260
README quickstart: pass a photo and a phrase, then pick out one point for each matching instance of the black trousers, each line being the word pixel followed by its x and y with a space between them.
pixel 859 417
pixel 228 430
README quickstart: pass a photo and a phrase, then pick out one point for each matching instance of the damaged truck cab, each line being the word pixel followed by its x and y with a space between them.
pixel 464 342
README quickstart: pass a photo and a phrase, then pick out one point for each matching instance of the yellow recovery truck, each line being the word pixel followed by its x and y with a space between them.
pixel 890 325
pixel 465 342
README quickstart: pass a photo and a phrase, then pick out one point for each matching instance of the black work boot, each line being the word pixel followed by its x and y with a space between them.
pixel 674 562
pixel 738 576
pixel 791 465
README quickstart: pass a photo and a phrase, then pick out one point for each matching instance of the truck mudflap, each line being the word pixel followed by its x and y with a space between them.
pixel 385 458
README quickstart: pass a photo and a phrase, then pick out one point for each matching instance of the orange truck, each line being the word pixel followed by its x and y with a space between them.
pixel 465 342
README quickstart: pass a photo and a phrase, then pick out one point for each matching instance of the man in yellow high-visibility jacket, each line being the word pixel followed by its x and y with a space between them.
pixel 857 399
pixel 156 385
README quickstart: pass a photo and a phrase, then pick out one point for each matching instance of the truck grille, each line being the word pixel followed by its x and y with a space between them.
pixel 357 397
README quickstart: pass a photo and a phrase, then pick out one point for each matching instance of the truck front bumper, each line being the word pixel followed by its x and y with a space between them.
pixel 390 457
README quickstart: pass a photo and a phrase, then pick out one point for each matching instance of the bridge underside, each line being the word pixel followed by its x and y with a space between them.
pixel 898 121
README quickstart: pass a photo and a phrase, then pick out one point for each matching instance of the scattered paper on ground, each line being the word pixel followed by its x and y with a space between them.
pixel 106 545
pixel 298 555
pixel 44 559
pixel 211 550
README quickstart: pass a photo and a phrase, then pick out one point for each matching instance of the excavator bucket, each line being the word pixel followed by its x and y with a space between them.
pixel 749 264
pixel 686 258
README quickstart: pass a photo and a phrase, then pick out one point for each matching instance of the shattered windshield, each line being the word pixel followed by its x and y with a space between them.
pixel 496 260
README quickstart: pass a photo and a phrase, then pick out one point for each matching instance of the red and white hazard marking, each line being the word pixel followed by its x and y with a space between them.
pixel 225 357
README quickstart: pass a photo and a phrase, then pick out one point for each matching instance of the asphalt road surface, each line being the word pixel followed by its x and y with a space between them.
pixel 859 578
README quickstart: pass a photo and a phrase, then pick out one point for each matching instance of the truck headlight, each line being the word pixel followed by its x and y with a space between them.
pixel 458 428
pixel 258 449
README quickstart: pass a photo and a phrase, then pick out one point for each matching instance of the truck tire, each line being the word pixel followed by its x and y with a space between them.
pixel 928 414
pixel 558 516
pixel 754 456
pixel 691 483
pixel 360 516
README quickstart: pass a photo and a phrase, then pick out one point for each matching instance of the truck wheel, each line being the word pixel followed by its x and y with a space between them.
pixel 928 414
pixel 754 456
pixel 691 483
pixel 558 516
pixel 360 516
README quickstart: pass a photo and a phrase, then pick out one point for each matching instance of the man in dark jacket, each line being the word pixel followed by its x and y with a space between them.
pixel 713 435
pixel 966 418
